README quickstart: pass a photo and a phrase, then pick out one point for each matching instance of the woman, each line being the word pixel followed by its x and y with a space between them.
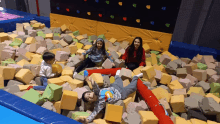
pixel 134 55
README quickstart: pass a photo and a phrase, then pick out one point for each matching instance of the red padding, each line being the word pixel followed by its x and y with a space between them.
pixel 148 96
pixel 38 10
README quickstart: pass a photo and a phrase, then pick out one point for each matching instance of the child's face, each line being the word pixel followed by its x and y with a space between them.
pixel 51 61
pixel 137 43
pixel 99 44
pixel 90 97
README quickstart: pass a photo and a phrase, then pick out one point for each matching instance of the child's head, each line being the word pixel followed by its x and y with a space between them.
pixel 100 44
pixel 49 57
pixel 137 42
pixel 89 96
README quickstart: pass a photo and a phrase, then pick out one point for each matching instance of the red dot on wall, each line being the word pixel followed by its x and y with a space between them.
pixel 125 18
pixel 100 15
pixel 67 9
pixel 85 0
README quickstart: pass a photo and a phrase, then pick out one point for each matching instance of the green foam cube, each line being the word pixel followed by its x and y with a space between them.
pixel 164 66
pixel 7 61
pixel 56 34
pixel 215 87
pixel 32 96
pixel 81 73
pixel 75 40
pixel 159 63
pixel 87 56
pixel 89 40
pixel 75 115
pixel 102 36
pixel 16 42
pixel 41 33
pixel 201 66
pixel 155 52
pixel 53 92
pixel 175 115
pixel 72 55
pixel 76 33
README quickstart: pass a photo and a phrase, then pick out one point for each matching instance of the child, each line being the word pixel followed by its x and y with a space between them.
pixel 115 92
pixel 45 71
pixel 97 55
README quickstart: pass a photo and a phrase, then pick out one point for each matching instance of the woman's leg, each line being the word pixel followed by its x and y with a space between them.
pixel 132 66
pixel 87 62
pixel 44 82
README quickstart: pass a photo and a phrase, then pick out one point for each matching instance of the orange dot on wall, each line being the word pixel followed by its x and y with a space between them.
pixel 67 9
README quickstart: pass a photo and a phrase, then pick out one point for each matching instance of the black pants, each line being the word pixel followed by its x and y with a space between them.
pixel 132 66
pixel 87 63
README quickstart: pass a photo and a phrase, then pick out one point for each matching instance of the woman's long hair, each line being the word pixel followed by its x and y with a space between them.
pixel 94 48
pixel 131 49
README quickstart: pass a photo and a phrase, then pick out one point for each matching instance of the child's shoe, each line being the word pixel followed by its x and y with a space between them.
pixel 30 87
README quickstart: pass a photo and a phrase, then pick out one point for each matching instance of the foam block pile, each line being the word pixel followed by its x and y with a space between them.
pixel 188 89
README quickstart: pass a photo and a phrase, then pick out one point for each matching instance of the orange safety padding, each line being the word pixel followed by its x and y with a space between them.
pixel 155 39
pixel 148 96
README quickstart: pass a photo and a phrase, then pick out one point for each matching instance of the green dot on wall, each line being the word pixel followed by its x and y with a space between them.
pixel 167 25
pixel 107 2
pixel 134 5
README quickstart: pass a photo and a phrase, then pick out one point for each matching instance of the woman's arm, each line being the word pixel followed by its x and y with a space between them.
pixel 143 59
pixel 124 57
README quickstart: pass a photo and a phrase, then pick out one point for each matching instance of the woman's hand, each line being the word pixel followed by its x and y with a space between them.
pixel 82 120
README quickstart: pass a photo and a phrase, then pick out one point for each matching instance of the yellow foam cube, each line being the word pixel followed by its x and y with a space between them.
pixel 71 34
pixel 49 36
pixel 148 63
pixel 79 45
pixel 148 117
pixel 57 106
pixel 127 101
pixel 3 37
pixel 73 49
pixel 12 36
pixel 56 81
pixel 148 72
pixel 30 40
pixel 177 103
pixel 80 37
pixel 198 90
pixel 1 81
pixel 22 62
pixel 170 55
pixel 100 121
pixel 161 93
pixel 64 63
pixel 15 47
pixel 175 85
pixel 137 70
pixel 119 54
pixel 125 82
pixel 152 81
pixel 165 78
pixel 66 78
pixel 69 99
pixel 113 113
pixel 86 47
pixel 189 122
pixel 113 40
pixel 179 120
pixel 35 55
pixel 146 47
pixel 55 41
pixel 63 28
pixel 74 83
pixel 154 59
pixel 23 87
pixel 132 95
pixel 67 72
pixel 80 51
pixel 112 79
pixel 29 54
pixel 36 25
pixel 7 73
pixel 24 75
pixel 36 60
pixel 97 77
pixel 212 122
pixel 214 97
pixel 197 121
pixel 54 51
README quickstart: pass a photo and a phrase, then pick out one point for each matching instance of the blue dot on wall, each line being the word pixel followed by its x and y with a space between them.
pixel 96 1
pixel 78 11
pixel 58 8
pixel 163 8
pixel 152 22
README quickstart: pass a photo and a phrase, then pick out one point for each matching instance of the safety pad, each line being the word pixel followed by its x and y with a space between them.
pixel 208 51
pixel 31 110
pixel 157 40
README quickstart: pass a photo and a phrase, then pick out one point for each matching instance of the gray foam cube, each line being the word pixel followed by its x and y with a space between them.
pixel 205 86
pixel 209 106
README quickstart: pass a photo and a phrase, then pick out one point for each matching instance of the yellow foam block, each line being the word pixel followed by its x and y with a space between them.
pixel 112 79
pixel 148 72
pixel 36 25
pixel 24 75
pixel 146 47
pixel 54 51
pixel 175 85
pixel 12 36
pixel 79 45
pixel 189 122
pixel 113 40
pixel 29 54
pixel 127 101
pixel 80 37
pixel 214 97
pixel 197 121
pixel 137 70
pixel 179 120
pixel 57 106
pixel 69 99
pixel 30 40
pixel 74 83
pixel 113 113
pixel 161 93
pixel 212 122
pixel 3 37
pixel 170 55
pixel 126 82
pixel 119 54
pixel 7 73
pixel 80 51
pixel 132 95
pixel 22 62
pixel 63 28
pixel 73 49
pixel 86 47
pixel 36 60
pixel 49 36
pixel 67 72
pixel 15 47
pixel 177 103
pixel 55 41
pixel 154 59
pixel 56 81
pixel 1 81
pixel 198 90
pixel 35 55
pixel 66 78
pixel 100 121
pixel 64 63
pixel 23 87
pixel 148 63
pixel 71 34
pixel 148 117
pixel 97 77
pixel 165 78
pixel 152 81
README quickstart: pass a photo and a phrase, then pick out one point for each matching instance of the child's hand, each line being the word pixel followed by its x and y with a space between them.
pixel 82 57
pixel 113 64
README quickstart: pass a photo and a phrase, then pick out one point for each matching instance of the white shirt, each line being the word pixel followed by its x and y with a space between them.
pixel 46 70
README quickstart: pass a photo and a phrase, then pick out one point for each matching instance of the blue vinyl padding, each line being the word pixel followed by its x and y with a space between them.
pixel 189 51
pixel 32 111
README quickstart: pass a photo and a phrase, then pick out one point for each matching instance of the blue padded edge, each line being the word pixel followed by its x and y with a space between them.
pixel 189 51
pixel 43 19
pixel 31 110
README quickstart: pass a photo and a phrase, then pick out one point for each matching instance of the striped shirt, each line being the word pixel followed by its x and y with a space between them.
pixel 97 57
pixel 109 95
